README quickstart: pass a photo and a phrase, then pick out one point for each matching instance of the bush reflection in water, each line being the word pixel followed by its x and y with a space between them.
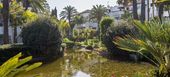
pixel 88 63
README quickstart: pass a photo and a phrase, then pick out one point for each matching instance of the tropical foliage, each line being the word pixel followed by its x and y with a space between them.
pixel 15 66
pixel 36 5
pixel 18 16
pixel 63 27
pixel 68 13
pixel 153 39
pixel 97 12
pixel 15 5
pixel 78 19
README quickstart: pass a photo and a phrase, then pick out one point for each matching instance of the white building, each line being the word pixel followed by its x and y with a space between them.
pixel 118 11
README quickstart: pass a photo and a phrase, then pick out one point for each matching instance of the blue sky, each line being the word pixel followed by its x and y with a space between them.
pixel 80 5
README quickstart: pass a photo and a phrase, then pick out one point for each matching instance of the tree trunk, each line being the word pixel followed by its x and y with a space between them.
pixel 15 34
pixel 153 8
pixel 160 12
pixel 5 21
pixel 148 9
pixel 135 10
pixel 169 13
pixel 142 11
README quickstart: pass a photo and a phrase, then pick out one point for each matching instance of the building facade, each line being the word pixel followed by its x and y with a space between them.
pixel 118 10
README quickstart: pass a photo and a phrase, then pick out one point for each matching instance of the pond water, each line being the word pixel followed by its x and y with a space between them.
pixel 87 64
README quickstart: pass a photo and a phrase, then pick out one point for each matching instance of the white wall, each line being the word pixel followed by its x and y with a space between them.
pixel 10 31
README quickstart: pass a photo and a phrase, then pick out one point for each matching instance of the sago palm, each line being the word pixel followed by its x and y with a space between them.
pixel 153 38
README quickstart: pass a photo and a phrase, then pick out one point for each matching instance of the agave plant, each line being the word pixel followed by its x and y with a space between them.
pixel 153 38
pixel 14 66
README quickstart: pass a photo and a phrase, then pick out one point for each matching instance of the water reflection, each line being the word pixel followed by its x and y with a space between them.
pixel 76 64
pixel 81 74
pixel 85 64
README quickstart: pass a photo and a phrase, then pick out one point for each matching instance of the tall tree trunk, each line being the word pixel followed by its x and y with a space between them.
pixel 98 31
pixel 160 12
pixel 153 8
pixel 135 10
pixel 5 21
pixel 69 34
pixel 148 4
pixel 142 11
pixel 15 34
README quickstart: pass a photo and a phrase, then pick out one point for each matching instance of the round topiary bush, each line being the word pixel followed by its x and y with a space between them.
pixel 43 36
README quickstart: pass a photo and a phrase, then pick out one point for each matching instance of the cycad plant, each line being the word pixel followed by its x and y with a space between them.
pixel 153 38
pixel 14 66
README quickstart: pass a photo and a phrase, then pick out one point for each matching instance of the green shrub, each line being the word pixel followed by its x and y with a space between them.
pixel 122 27
pixel 43 36
pixel 15 66
pixel 105 23
pixel 119 28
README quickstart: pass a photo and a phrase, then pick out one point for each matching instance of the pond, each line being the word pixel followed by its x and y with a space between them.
pixel 87 64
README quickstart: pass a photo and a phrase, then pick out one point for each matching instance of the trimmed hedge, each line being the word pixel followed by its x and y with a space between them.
pixel 43 36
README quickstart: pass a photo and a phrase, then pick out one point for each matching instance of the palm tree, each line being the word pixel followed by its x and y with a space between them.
pixel 68 13
pixel 5 14
pixel 36 5
pixel 143 11
pixel 97 12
